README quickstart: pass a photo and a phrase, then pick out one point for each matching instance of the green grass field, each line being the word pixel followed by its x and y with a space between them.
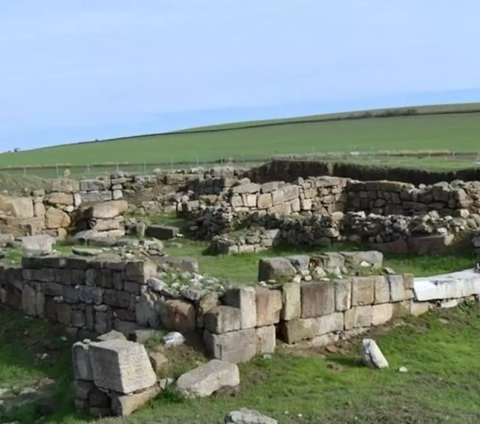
pixel 453 132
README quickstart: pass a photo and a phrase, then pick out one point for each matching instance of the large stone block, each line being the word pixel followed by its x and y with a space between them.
pixel 62 199
pixel 382 290
pixel 269 306
pixel 121 366
pixel 329 260
pixel 372 257
pixel 381 314
pixel 64 185
pixel 318 299
pixel 178 315
pixel 292 306
pixel 56 218
pixel 162 232
pixel 330 323
pixel 95 185
pixel 298 330
pixel 419 308
pixel 123 406
pixel 243 298
pixel 278 269
pixel 266 339
pixel 363 291
pixel 18 207
pixel 209 378
pixel 223 319
pixel 343 295
pixel 82 368
pixel 235 347
pixel 358 317
pixel 264 201
pixel 107 210
pixel 398 291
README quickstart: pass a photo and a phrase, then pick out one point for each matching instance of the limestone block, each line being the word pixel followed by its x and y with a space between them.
pixel 243 298
pixel 281 209
pixel 209 378
pixel 358 317
pixel 207 303
pixel 235 347
pixel 318 299
pixel 248 416
pixel 372 355
pixel 292 306
pixel 363 291
pixel 249 200
pixel 298 330
pixel 246 188
pixel 237 201
pixel 295 205
pixel 65 185
pixel 61 199
pixel 108 210
pixel 121 366
pixel 278 269
pixel 343 295
pixel 373 257
pixel 269 306
pixel 178 315
pixel 306 204
pixel 330 323
pixel 123 406
pixel 398 291
pixel 223 319
pixel 419 308
pixel 95 185
pixel 140 271
pixel 266 339
pixel 382 290
pixel 95 196
pixel 381 314
pixel 329 260
pixel 300 262
pixel 56 218
pixel 264 201
pixel 39 210
pixel 18 207
pixel 82 367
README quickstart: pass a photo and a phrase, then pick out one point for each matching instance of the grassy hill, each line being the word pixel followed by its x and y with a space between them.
pixel 453 127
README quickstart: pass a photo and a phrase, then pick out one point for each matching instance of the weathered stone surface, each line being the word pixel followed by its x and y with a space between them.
pixel 398 291
pixel 343 295
pixel 248 416
pixel 111 335
pixel 300 262
pixel 209 378
pixel 266 339
pixel 419 308
pixel 121 366
pixel 299 329
pixel 18 207
pixel 39 244
pixel 243 298
pixel 246 188
pixel 235 347
pixel 292 306
pixel 358 317
pixel 222 319
pixel 269 305
pixel 278 269
pixel 178 315
pixel 158 360
pixel 363 291
pixel 108 210
pixel 318 299
pixel 182 263
pixel 264 201
pixel 205 304
pixel 381 314
pixel 161 232
pixel 62 199
pixel 372 355
pixel 56 218
pixel 372 257
pixel 82 367
pixel 382 290
pixel 123 406
pixel 330 323
pixel 147 310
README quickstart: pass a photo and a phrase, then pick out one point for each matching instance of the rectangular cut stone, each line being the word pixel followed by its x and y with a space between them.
pixel 82 368
pixel 363 291
pixel 398 292
pixel 330 323
pixel 419 308
pixel 358 317
pixel 266 339
pixel 292 306
pixel 121 366
pixel 264 201
pixel 222 319
pixel 243 298
pixel 318 299
pixel 269 305
pixel 343 295
pixel 299 329
pixel 382 313
pixel 234 347
pixel 382 290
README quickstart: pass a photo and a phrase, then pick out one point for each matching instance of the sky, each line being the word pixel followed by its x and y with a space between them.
pixel 81 70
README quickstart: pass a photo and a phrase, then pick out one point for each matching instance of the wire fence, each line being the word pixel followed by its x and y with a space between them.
pixel 434 159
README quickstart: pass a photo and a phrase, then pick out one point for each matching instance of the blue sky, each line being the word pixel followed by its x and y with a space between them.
pixel 81 70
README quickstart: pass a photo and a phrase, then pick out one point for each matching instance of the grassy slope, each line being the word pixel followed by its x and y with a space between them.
pixel 458 132
pixel 441 385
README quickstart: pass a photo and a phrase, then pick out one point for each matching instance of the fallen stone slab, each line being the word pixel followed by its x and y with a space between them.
pixel 39 244
pixel 162 232
pixel 278 269
pixel 83 251
pixel 372 355
pixel 207 379
pixel 248 416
